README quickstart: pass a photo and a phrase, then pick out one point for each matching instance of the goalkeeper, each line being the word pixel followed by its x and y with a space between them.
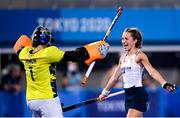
pixel 39 58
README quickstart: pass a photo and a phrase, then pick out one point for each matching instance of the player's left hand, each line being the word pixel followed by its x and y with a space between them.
pixel 169 87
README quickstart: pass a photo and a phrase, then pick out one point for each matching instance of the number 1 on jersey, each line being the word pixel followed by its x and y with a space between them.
pixel 31 72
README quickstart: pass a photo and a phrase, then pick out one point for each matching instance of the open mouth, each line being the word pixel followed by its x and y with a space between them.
pixel 125 45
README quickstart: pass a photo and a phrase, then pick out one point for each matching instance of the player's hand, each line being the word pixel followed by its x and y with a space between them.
pixel 103 49
pixel 169 87
pixel 96 51
pixel 103 94
pixel 101 97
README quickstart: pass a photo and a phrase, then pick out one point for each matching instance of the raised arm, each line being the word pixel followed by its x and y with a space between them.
pixel 88 53
pixel 154 73
pixel 22 42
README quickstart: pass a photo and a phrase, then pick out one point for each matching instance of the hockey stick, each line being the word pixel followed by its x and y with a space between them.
pixel 119 12
pixel 84 103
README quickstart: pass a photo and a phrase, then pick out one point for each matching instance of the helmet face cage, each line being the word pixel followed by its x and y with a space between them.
pixel 41 36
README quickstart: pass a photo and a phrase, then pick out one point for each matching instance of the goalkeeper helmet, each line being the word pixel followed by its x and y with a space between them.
pixel 42 36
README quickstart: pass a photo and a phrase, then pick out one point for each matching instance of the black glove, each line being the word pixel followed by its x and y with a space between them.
pixel 169 87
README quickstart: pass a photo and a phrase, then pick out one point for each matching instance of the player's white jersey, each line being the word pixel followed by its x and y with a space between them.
pixel 131 71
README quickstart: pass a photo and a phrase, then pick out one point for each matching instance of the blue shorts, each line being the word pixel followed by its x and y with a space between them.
pixel 136 98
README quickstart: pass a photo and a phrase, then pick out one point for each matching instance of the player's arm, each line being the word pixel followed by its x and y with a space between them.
pixel 88 53
pixel 78 55
pixel 154 73
pixel 112 81
pixel 22 42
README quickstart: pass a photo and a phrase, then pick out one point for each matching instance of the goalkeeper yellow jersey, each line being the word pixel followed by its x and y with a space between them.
pixel 40 70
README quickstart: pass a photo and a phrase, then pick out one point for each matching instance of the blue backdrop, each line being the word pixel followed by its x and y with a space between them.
pixel 79 26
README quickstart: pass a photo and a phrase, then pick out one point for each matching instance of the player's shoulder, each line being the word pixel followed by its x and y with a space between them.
pixel 141 55
pixel 122 57
pixel 24 52
pixel 26 49
pixel 53 50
